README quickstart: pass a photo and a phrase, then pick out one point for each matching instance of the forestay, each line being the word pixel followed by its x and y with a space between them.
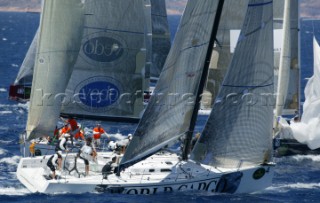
pixel 239 127
pixel 108 78
pixel 160 36
pixel 60 35
pixel 25 73
pixel 168 114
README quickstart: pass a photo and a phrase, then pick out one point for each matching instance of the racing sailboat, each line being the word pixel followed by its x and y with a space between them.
pixel 233 153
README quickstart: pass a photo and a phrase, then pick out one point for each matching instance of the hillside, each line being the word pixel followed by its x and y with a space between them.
pixel 308 8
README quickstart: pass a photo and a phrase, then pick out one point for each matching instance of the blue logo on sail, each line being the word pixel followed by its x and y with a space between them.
pixel 103 49
pixel 99 94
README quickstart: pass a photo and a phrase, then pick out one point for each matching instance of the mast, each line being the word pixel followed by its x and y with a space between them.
pixel 202 81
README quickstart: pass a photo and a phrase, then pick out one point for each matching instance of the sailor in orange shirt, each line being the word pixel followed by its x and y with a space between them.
pixel 79 135
pixel 97 132
pixel 65 129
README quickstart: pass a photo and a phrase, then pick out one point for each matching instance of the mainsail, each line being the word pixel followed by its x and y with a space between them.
pixel 160 36
pixel 239 128
pixel 108 77
pixel 25 73
pixel 168 114
pixel 60 34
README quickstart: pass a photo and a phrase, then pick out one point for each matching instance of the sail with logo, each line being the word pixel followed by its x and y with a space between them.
pixel 108 77
pixel 57 51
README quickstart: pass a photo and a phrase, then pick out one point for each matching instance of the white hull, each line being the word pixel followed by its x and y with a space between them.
pixel 159 173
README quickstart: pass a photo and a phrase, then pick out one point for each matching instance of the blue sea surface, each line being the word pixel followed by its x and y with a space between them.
pixel 296 178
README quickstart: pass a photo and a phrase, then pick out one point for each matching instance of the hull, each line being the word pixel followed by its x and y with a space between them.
pixel 162 172
pixel 290 147
pixel 20 92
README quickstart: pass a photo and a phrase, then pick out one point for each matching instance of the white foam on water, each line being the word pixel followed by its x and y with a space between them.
pixel 11 191
pixel 3 89
pixel 299 158
pixel 286 187
pixel 11 160
pixel 5 112
pixel 4 39
pixel 2 151
pixel 13 64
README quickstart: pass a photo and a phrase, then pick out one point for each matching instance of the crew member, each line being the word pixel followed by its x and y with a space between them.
pixel 97 132
pixel 55 161
pixel 87 152
pixel 32 148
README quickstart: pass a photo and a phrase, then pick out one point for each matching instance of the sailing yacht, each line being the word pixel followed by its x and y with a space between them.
pixel 233 153
pixel 116 59
pixel 301 136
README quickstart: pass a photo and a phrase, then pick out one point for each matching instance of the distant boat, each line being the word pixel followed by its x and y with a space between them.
pixel 233 152
pixel 21 89
pixel 227 37
pixel 302 136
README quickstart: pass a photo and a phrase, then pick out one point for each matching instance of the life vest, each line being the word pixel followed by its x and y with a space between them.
pixel 97 132
pixel 79 135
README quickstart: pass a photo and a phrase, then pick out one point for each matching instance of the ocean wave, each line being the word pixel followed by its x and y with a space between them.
pixel 5 141
pixel 299 158
pixel 11 191
pixel 286 187
pixel 5 112
pixel 3 89
pixel 3 151
pixel 11 160
pixel 13 64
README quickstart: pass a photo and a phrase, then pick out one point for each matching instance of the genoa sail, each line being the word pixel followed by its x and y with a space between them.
pixel 168 114
pixel 108 77
pixel 60 34
pixel 239 128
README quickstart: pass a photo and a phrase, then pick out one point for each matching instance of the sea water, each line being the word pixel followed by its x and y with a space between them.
pixel 296 178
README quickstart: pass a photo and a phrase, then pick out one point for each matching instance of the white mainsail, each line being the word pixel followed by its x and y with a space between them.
pixel 308 130
pixel 25 73
pixel 168 114
pixel 108 77
pixel 239 128
pixel 60 34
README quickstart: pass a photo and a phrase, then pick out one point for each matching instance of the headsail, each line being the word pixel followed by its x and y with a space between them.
pixel 60 35
pixel 160 36
pixel 25 73
pixel 108 78
pixel 240 124
pixel 168 114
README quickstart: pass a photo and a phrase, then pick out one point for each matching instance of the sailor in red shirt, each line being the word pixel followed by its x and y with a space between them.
pixel 97 132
